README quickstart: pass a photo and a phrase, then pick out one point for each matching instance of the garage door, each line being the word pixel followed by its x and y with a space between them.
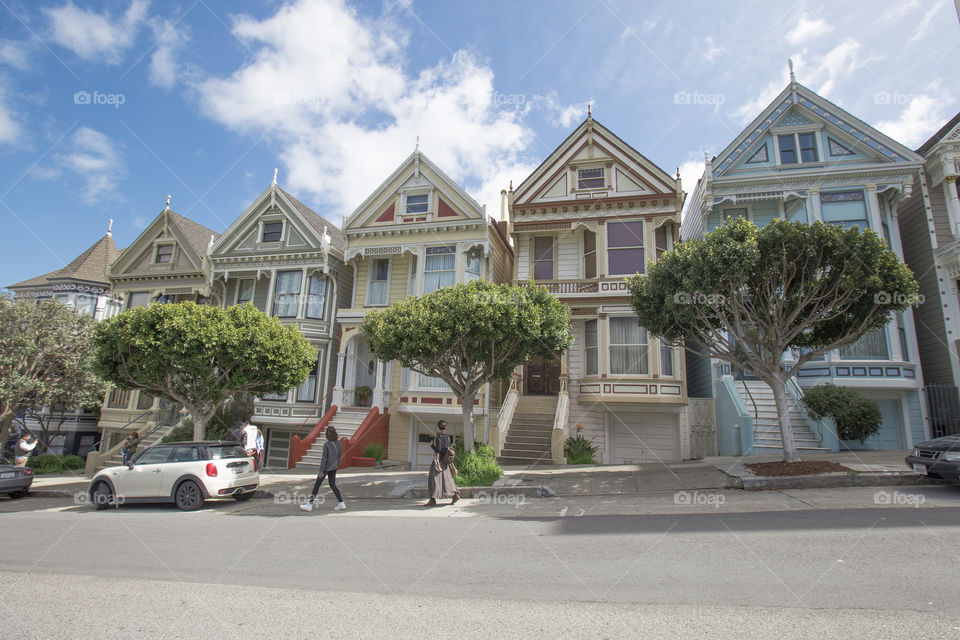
pixel 642 437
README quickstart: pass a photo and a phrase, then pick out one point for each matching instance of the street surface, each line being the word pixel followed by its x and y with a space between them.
pixel 852 563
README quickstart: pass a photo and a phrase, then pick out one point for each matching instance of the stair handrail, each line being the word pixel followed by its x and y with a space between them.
pixel 756 412
pixel 505 417
pixel 560 419
pixel 310 415
pixel 820 424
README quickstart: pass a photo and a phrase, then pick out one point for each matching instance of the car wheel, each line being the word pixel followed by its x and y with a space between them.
pixel 101 496
pixel 18 494
pixel 243 497
pixel 188 496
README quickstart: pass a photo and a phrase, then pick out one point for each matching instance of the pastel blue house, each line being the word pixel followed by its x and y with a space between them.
pixel 805 159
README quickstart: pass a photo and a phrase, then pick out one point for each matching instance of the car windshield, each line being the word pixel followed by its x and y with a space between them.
pixel 219 452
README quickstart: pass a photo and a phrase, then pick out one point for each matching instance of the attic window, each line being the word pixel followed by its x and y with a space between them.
pixel 272 231
pixel 417 203
pixel 591 178
pixel 797 148
pixel 164 253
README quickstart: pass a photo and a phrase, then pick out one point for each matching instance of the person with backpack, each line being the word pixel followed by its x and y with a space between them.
pixel 442 470
pixel 329 463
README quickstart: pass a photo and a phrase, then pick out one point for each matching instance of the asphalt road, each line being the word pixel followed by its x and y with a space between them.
pixel 881 570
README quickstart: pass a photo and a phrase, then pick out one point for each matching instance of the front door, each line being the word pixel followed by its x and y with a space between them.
pixel 542 378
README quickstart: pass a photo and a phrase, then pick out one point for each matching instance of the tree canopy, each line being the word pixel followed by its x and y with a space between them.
pixel 747 295
pixel 201 355
pixel 470 334
pixel 46 358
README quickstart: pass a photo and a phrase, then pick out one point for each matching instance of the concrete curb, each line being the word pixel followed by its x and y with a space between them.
pixel 830 480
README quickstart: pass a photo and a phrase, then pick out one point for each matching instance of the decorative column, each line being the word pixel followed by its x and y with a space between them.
pixel 337 398
pixel 378 391
pixel 953 203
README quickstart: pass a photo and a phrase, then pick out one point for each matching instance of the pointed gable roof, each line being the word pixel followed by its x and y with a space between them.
pixel 192 237
pixel 943 132
pixel 90 266
pixel 318 222
pixel 590 130
pixel 409 167
pixel 803 104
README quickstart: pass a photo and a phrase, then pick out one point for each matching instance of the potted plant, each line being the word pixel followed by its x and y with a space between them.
pixel 362 395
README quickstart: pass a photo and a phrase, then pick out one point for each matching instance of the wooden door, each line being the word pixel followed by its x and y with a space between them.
pixel 542 378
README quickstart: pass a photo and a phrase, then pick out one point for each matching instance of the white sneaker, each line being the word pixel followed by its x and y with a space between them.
pixel 306 506
pixel 340 506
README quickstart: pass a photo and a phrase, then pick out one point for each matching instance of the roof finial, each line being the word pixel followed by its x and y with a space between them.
pixel 210 244
pixel 678 172
pixel 589 111
pixel 275 175
pixel 167 208
pixel 110 228
pixel 511 186
pixel 418 144
pixel 793 78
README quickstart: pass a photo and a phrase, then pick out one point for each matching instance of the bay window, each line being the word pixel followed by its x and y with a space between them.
pixel 307 392
pixel 589 254
pixel 439 268
pixel 317 296
pixel 590 348
pixel 286 294
pixel 667 364
pixel 844 209
pixel 471 270
pixel 379 289
pixel 871 346
pixel 543 258
pixel 625 251
pixel 629 347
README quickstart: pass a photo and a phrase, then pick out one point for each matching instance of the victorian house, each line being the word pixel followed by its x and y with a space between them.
pixel 595 212
pixel 287 261
pixel 930 230
pixel 417 232
pixel 166 263
pixel 82 285
pixel 805 159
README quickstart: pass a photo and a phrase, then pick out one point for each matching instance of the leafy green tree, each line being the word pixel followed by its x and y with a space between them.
pixel 201 355
pixel 747 295
pixel 46 359
pixel 857 416
pixel 470 334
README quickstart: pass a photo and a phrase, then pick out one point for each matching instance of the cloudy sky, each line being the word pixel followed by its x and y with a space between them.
pixel 107 107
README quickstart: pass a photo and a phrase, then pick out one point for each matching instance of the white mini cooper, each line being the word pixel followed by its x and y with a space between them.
pixel 186 473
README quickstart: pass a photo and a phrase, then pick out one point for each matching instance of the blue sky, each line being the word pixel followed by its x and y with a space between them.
pixel 107 107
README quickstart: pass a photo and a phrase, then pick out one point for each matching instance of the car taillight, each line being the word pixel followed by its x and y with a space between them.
pixel 211 470
pixel 27 471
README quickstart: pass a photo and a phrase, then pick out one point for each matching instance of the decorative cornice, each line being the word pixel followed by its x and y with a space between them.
pixel 416 228
pixel 574 212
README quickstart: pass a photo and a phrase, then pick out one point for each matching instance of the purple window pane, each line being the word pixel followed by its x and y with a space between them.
pixel 626 261
pixel 625 234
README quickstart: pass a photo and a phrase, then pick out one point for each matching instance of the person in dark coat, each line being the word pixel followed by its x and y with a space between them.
pixel 130 448
pixel 329 463
pixel 442 469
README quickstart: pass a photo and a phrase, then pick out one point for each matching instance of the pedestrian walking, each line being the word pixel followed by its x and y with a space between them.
pixel 236 434
pixel 259 446
pixel 442 470
pixel 25 447
pixel 329 463
pixel 249 437
pixel 130 448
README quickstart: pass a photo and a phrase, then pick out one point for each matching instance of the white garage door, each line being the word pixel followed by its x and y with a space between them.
pixel 642 437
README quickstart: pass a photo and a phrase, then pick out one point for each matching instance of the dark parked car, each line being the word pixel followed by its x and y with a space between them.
pixel 937 458
pixel 14 481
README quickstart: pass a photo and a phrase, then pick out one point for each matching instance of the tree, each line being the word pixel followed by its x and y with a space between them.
pixel 46 359
pixel 470 334
pixel 201 355
pixel 747 295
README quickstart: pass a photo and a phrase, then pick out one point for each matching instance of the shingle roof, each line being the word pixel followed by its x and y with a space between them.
pixel 89 266
pixel 935 138
pixel 197 235
pixel 318 222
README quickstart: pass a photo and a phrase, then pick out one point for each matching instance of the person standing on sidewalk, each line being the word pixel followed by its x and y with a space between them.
pixel 130 448
pixel 329 463
pixel 442 470
pixel 24 448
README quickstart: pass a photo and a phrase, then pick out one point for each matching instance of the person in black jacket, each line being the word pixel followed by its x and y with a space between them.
pixel 329 462
pixel 442 469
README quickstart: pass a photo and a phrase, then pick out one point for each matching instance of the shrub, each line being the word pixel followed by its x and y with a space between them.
pixel 50 463
pixel 373 450
pixel 183 433
pixel 857 417
pixel 73 463
pixel 579 450
pixel 478 468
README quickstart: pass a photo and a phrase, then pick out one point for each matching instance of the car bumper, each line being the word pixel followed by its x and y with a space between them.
pixel 243 488
pixel 944 470
pixel 21 483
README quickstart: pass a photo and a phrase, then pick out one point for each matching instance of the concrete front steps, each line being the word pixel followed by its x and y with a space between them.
pixel 529 438
pixel 766 426
pixel 117 459
pixel 346 422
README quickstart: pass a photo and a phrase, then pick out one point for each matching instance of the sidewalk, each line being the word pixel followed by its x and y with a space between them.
pixel 869 468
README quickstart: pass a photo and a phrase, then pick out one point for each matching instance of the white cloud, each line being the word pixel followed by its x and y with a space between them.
pixel 91 35
pixel 558 114
pixel 713 49
pixel 15 54
pixel 9 129
pixel 807 29
pixel 747 112
pixel 926 22
pixel 96 161
pixel 922 117
pixel 164 67
pixel 334 91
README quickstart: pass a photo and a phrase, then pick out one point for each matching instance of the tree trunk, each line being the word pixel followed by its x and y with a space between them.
pixel 466 402
pixel 779 388
pixel 199 424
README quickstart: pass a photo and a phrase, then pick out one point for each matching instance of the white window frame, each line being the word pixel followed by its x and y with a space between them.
pixel 668 241
pixel 406 198
pixel 413 274
pixel 263 230
pixel 370 280
pixel 584 253
pixel 533 258
pixel 427 271
pixel 611 345
pixel 470 276
pixel 156 253
pixel 298 293
pixel 603 176
pixel 253 290
pixel 671 352
pixel 587 348
pixel 724 216
pixel 643 247
pixel 135 293
pixel 326 290
pixel 796 146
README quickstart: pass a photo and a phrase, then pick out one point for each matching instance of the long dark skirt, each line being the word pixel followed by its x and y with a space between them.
pixel 441 482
